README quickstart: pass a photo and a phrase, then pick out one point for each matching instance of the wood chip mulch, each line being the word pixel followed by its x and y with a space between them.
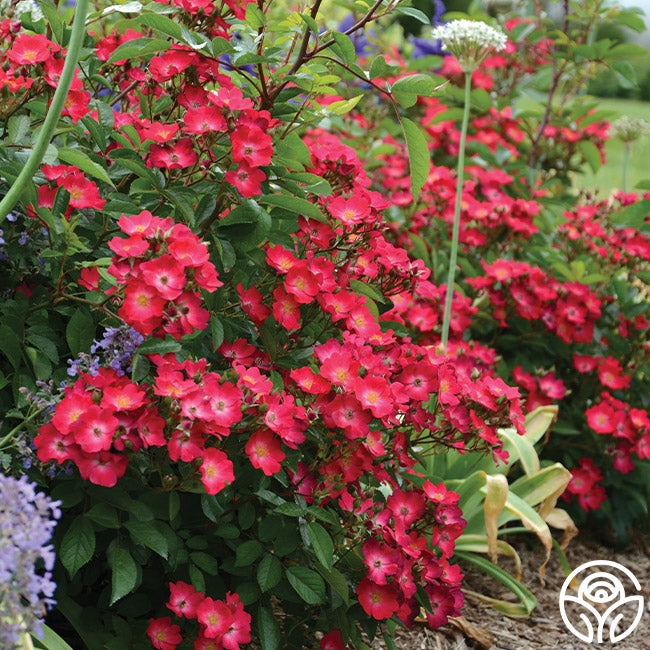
pixel 544 629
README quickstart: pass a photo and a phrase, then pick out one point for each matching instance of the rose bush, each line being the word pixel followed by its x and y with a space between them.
pixel 221 315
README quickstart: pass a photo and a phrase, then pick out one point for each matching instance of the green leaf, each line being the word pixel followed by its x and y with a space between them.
pixel 592 155
pixel 269 572
pixel 246 226
pixel 132 161
pixel 83 162
pixel 307 583
pixel 527 601
pixel 624 73
pixel 379 67
pixel 366 290
pixel 415 84
pixel 159 346
pixel 78 545
pixel 290 509
pixel 162 24
pixel 139 47
pixel 632 216
pixel 344 47
pixel 50 639
pixel 268 629
pixel 322 544
pixel 125 574
pixel 17 128
pixel 248 552
pixel 337 581
pixel 145 533
pixel 419 159
pixel 294 204
pixel 217 332
pixel 80 332
pixel 10 346
pixel 413 13
pixel 205 562
pixel 104 515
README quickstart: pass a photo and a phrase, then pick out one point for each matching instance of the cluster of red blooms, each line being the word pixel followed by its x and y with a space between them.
pixel 397 556
pixel 223 625
pixel 99 420
pixel 162 266
pixel 630 427
pixel 568 309
pixel 589 225
pixel 584 484
pixel 203 119
pixel 609 370
pixel 541 389
pixel 83 192
pixel 31 62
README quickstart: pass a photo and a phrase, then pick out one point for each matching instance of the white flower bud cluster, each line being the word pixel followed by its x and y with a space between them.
pixel 470 41
pixel 629 129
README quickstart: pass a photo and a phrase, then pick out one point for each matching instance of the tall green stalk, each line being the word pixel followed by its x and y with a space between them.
pixel 626 160
pixel 459 195
pixel 53 114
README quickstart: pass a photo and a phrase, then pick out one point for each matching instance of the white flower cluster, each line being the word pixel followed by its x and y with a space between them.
pixel 629 129
pixel 470 41
pixel 19 8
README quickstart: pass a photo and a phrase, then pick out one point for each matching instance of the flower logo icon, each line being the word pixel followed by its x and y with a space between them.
pixel 601 611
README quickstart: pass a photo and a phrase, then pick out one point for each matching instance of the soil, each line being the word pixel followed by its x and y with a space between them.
pixel 544 629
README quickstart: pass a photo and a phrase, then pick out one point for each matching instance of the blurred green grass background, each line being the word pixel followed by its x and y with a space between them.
pixel 609 176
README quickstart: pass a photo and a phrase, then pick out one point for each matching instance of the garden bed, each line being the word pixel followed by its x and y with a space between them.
pixel 544 629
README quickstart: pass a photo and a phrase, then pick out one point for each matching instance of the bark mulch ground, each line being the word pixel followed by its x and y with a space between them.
pixel 544 629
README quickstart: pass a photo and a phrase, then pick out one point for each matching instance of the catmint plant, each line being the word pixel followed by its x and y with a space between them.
pixel 27 519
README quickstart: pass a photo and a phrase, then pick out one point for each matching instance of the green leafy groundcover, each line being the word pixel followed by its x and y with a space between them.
pixel 222 299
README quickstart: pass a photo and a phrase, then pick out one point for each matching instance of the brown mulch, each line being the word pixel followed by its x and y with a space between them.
pixel 544 629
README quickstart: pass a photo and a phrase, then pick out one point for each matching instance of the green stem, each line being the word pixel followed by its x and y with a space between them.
pixel 626 160
pixel 459 195
pixel 17 428
pixel 53 114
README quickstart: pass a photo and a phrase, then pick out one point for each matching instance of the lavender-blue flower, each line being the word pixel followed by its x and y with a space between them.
pixel 27 520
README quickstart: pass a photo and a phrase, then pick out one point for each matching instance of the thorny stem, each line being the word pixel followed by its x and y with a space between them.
pixel 459 195
pixel 53 114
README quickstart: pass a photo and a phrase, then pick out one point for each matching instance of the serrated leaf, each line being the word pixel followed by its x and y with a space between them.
pixel 268 629
pixel 294 204
pixel 83 162
pixel 159 346
pixel 415 84
pixel 145 533
pixel 290 509
pixel 418 151
pixel 162 24
pixel 80 332
pixel 78 545
pixel 269 572
pixel 345 47
pixel 124 576
pixel 205 562
pixel 321 543
pixel 104 515
pixel 10 346
pixel 248 552
pixel 17 128
pixel 307 584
